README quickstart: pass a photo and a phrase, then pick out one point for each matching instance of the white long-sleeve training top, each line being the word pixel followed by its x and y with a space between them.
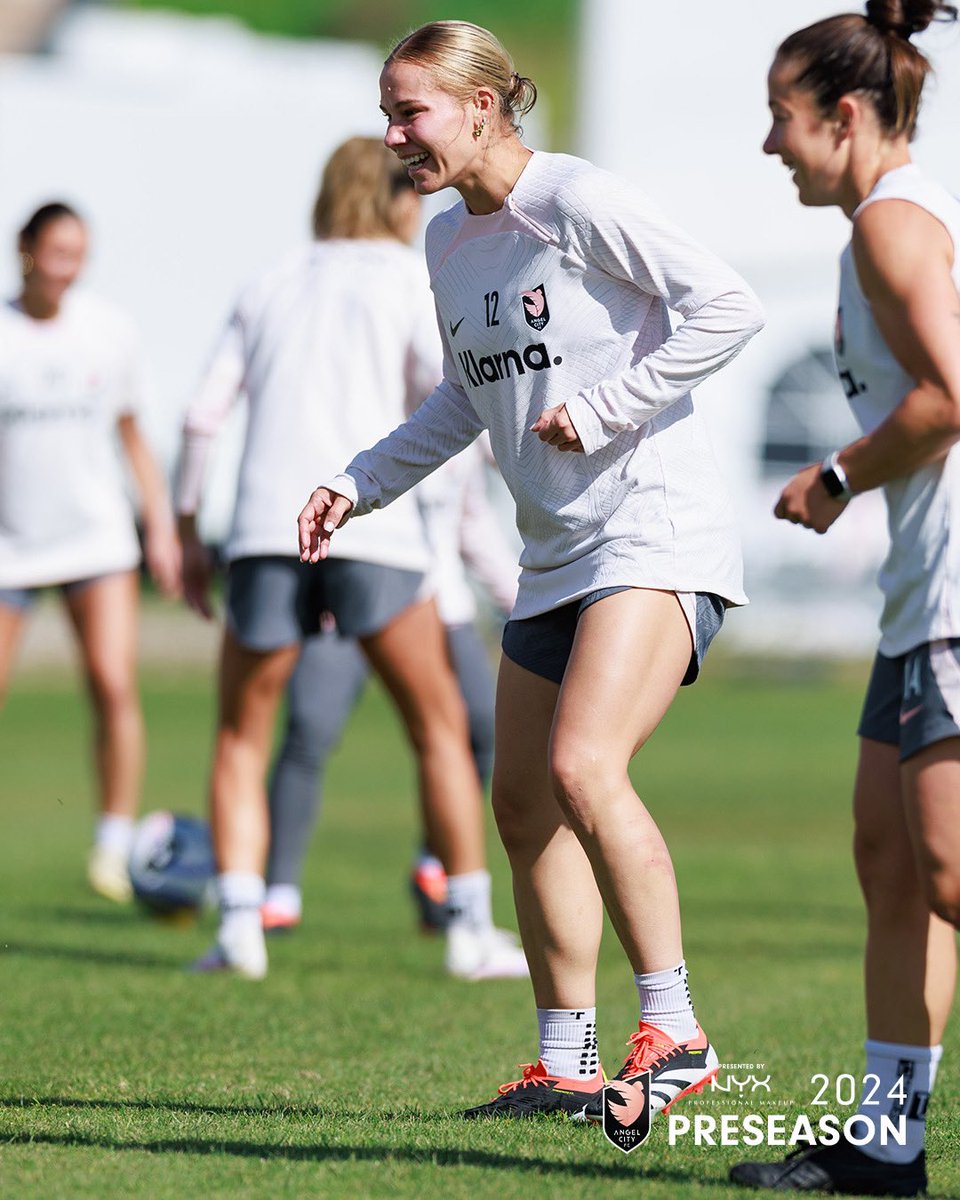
pixel 331 349
pixel 562 297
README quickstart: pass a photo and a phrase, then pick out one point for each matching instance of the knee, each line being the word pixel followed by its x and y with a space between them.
pixel 885 867
pixel 511 811
pixel 114 692
pixel 581 778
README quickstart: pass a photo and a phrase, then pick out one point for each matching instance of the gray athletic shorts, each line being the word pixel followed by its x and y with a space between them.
pixel 273 601
pixel 913 700
pixel 542 644
pixel 23 599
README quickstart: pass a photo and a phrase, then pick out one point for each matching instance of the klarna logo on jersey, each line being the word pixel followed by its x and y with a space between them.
pixel 493 368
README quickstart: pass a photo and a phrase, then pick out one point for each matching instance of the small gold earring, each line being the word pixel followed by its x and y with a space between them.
pixel 478 129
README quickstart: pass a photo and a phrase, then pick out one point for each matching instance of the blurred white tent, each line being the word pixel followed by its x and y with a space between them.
pixel 194 147
pixel 673 96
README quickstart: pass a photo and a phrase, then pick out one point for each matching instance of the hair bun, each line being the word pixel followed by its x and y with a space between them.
pixel 906 17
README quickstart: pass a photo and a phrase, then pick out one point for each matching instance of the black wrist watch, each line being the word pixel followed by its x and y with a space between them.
pixel 834 478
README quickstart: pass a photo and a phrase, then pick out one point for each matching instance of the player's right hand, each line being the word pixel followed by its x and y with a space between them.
pixel 323 513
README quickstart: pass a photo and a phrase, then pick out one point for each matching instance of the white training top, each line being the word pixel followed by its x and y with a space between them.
pixel 65 513
pixel 331 349
pixel 561 297
pixel 464 534
pixel 920 578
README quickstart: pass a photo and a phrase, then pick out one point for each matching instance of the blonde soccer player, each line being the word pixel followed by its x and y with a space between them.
pixel 552 281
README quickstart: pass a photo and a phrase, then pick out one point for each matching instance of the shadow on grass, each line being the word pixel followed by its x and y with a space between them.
pixel 314 1111
pixel 106 958
pixel 319 1154
pixel 91 914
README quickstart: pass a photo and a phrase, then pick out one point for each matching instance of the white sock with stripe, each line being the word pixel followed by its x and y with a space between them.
pixel 665 1001
pixel 568 1042
pixel 468 901
pixel 241 929
pixel 905 1076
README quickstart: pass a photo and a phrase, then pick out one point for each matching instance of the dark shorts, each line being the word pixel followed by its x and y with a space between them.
pixel 913 700
pixel 542 644
pixel 23 599
pixel 273 601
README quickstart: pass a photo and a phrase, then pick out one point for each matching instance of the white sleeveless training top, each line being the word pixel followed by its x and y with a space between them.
pixel 920 579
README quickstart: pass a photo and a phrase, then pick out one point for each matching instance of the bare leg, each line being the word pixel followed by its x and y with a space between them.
pixel 12 621
pixel 558 905
pixel 250 686
pixel 630 654
pixel 104 615
pixel 410 657
pixel 910 968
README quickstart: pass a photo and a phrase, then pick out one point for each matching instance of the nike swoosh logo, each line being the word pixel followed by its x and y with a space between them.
pixel 454 328
pixel 911 712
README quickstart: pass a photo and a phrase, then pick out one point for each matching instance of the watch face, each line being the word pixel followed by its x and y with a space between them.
pixel 831 482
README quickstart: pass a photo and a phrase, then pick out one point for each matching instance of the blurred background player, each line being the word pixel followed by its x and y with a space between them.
pixel 463 534
pixel 70 386
pixel 338 341
pixel 552 281
pixel 844 95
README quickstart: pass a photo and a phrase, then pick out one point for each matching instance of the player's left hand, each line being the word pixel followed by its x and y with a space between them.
pixel 555 427
pixel 805 501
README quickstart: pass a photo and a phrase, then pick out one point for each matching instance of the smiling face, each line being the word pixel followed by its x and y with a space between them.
pixel 811 144
pixel 430 130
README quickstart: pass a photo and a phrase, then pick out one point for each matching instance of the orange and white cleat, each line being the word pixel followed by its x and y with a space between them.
pixel 677 1069
pixel 537 1092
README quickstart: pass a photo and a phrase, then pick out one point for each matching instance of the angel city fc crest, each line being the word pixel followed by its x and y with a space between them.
pixel 535 307
pixel 626 1112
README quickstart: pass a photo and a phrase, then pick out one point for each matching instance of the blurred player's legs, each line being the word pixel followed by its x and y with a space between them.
pixel 103 612
pixel 329 676
pixel 12 622
pixel 471 663
pixel 250 686
pixel 410 656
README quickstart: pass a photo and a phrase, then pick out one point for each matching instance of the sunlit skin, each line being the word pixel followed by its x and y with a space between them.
pixel 422 119
pixel 837 157
pixel 52 264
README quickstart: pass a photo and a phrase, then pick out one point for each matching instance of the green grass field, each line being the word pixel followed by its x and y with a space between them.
pixel 343 1073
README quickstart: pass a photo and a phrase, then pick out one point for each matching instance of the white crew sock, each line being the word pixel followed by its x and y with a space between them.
pixel 906 1077
pixel 114 832
pixel 286 897
pixel 240 935
pixel 665 1001
pixel 568 1042
pixel 468 901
